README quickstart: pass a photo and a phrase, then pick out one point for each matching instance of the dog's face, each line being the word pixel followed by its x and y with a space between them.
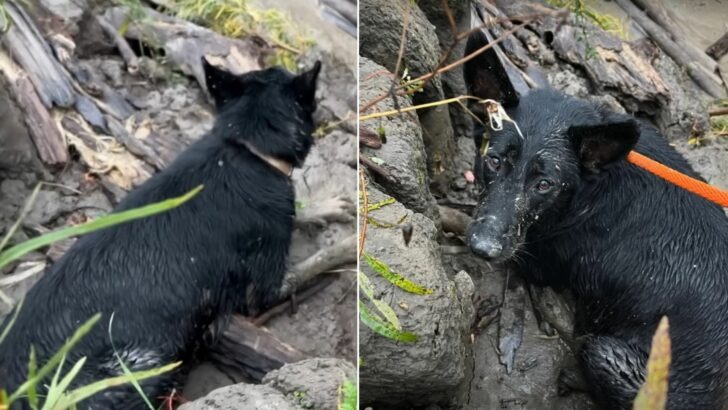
pixel 271 109
pixel 529 178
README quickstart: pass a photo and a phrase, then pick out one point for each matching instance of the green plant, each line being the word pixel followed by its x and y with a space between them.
pixel 382 319
pixel 237 19
pixel 58 397
pixel 348 396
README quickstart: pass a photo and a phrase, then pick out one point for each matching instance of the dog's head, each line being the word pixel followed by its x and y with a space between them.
pixel 528 178
pixel 270 109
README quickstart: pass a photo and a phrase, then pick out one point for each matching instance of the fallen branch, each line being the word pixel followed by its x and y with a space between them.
pixel 707 81
pixel 656 11
pixel 251 349
pixel 322 261
pixel 719 48
pixel 130 58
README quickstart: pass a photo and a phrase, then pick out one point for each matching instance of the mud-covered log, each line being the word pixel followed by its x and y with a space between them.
pixel 656 11
pixel 43 129
pixel 719 48
pixel 26 45
pixel 251 349
pixel 707 81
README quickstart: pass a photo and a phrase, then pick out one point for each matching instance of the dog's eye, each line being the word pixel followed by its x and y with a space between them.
pixel 543 186
pixel 493 163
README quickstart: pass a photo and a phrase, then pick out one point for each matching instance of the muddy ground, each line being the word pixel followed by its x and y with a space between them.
pixel 168 111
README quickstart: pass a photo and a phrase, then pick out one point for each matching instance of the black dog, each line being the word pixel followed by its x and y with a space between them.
pixel 168 279
pixel 563 204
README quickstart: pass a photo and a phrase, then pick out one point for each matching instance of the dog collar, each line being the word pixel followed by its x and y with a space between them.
pixel 285 167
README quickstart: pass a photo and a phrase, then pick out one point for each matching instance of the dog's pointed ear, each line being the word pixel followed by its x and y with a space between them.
pixel 598 146
pixel 222 85
pixel 485 75
pixel 304 85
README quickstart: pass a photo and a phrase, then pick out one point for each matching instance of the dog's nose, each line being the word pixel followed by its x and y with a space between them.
pixel 485 247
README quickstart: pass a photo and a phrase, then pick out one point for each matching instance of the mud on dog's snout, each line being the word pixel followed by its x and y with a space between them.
pixel 483 238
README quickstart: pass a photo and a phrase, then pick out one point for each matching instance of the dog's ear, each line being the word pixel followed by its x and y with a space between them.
pixel 485 75
pixel 222 85
pixel 304 86
pixel 598 146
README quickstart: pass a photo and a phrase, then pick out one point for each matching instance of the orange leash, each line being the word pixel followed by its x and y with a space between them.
pixel 685 182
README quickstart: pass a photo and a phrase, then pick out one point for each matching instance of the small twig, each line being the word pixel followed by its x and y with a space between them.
pixel 718 111
pixel 306 293
pixel 400 54
pixel 424 79
pixel 132 62
pixel 417 107
pixel 372 166
pixel 365 212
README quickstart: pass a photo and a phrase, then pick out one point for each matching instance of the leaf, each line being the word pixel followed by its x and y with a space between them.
pixel 125 369
pixel 377 160
pixel 55 392
pixel 348 395
pixel 366 286
pixel 82 393
pixel 395 278
pixel 10 324
pixel 380 327
pixel 653 394
pixel 100 223
pixel 56 359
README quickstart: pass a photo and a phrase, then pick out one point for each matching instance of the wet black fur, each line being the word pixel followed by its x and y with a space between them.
pixel 169 278
pixel 629 245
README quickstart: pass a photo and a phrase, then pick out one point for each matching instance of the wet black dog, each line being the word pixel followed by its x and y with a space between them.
pixel 168 279
pixel 563 204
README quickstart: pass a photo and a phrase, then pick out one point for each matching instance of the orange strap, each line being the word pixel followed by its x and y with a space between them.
pixel 685 182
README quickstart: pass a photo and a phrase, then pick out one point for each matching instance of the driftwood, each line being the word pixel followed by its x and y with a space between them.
pixel 251 349
pixel 719 48
pixel 43 129
pixel 132 62
pixel 322 261
pixel 185 43
pixel 454 221
pixel 27 46
pixel 615 66
pixel 707 81
pixel 656 11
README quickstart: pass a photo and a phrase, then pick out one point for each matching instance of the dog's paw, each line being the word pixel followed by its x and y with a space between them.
pixel 336 209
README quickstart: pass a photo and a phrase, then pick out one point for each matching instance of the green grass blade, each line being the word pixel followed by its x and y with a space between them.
pixel 26 208
pixel 100 223
pixel 6 331
pixel 395 278
pixel 366 286
pixel 55 391
pixel 125 368
pixel 56 359
pixel 82 393
pixel 32 369
pixel 380 327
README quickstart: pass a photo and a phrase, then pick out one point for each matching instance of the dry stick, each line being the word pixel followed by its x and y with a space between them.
pixel 717 112
pixel 304 294
pixel 402 42
pixel 372 166
pixel 132 62
pixel 418 107
pixel 365 212
pixel 426 77
pixel 711 85
pixel 660 16
pixel 719 48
